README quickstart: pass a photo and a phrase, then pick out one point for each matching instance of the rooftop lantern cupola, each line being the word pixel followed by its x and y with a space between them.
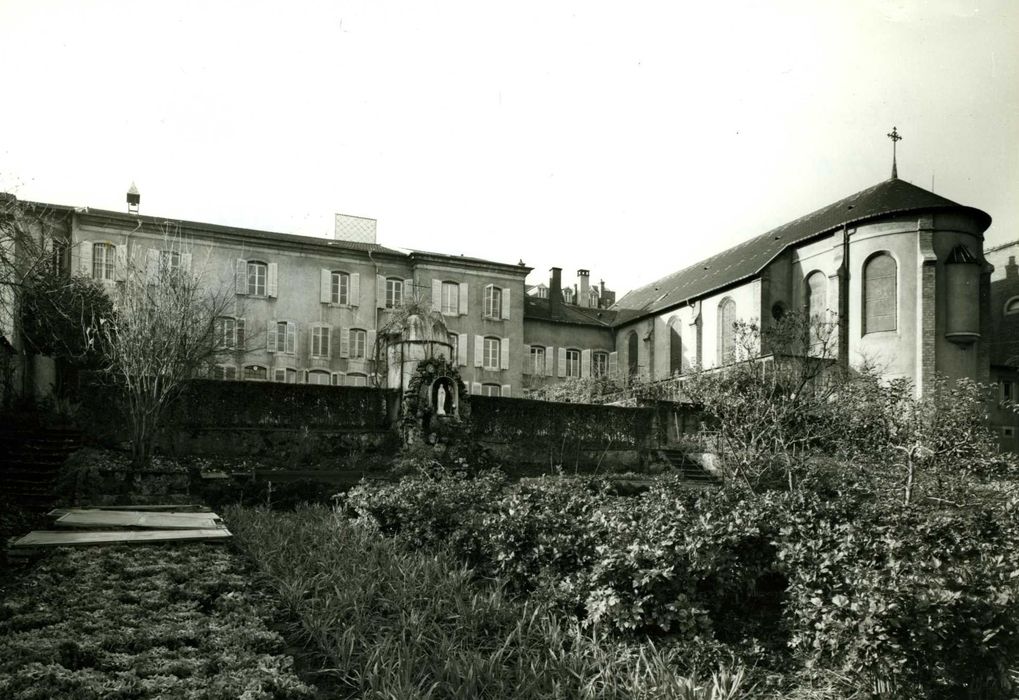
pixel 134 198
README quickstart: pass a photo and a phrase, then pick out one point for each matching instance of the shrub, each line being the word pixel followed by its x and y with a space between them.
pixel 394 623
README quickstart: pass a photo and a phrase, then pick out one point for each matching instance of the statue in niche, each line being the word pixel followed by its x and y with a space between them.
pixel 444 397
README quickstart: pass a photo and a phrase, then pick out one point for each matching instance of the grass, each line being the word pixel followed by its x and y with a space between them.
pixel 173 621
pixel 389 623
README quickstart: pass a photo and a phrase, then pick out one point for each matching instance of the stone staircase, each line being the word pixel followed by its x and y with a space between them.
pixel 30 461
pixel 688 468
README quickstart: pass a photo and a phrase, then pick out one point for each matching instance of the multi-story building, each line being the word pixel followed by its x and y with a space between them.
pixel 305 309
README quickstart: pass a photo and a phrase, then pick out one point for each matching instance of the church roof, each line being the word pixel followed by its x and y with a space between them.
pixel 747 259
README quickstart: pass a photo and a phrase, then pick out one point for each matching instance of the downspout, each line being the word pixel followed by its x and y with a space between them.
pixel 844 302
pixel 378 311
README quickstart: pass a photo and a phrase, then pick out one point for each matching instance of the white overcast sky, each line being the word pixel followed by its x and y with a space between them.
pixel 630 138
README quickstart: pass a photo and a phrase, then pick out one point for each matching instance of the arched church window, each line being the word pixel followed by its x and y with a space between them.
pixel 880 298
pixel 675 348
pixel 726 331
pixel 817 296
pixel 1012 306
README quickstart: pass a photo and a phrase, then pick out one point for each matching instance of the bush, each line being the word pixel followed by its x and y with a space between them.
pixel 394 623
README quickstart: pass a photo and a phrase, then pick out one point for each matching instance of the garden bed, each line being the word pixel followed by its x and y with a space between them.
pixel 179 621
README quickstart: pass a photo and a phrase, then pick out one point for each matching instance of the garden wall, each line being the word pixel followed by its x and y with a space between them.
pixel 540 435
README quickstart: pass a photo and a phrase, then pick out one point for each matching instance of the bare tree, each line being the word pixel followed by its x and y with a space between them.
pixel 163 334
pixel 770 409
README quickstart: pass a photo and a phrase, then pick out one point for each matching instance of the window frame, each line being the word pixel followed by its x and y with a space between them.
pixel 453 308
pixel 283 332
pixel 486 389
pixel 255 366
pixel 1011 306
pixel 339 287
pixel 235 341
pixel 726 330
pixel 454 340
pixel 108 263
pixel 493 302
pixel 253 267
pixel 599 363
pixel 496 365
pixel 356 376
pixel 222 368
pixel 394 285
pixel 320 373
pixel 537 360
pixel 355 334
pixel 572 363
pixel 865 321
pixel 321 336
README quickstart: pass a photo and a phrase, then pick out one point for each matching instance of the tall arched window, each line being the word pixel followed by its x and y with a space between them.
pixel 675 347
pixel 880 300
pixel 817 295
pixel 631 353
pixel 726 330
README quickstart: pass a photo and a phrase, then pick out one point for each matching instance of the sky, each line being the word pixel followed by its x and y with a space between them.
pixel 628 138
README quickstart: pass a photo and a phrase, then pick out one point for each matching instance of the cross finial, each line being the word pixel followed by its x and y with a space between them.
pixel 894 136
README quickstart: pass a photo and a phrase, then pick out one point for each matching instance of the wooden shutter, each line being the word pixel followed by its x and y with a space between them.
pixel 505 303
pixel 504 352
pixel 408 290
pixel 239 340
pixel 369 345
pixel 185 262
pixel 85 258
pixel 436 295
pixel 461 349
pixel 479 351
pixel 550 361
pixel 613 364
pixel 505 391
pixel 585 363
pixel 120 272
pixel 272 280
pixel 528 363
pixel 345 342
pixel 336 378
pixel 463 299
pixel 325 294
pixel 380 292
pixel 241 276
pixel 476 388
pixel 291 337
pixel 152 266
pixel 354 293
pixel 270 336
pixel 561 361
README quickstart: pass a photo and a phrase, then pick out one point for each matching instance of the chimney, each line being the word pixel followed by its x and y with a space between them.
pixel 134 198
pixel 555 292
pixel 1011 270
pixel 584 299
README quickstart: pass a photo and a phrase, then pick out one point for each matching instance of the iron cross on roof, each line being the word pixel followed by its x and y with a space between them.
pixel 894 136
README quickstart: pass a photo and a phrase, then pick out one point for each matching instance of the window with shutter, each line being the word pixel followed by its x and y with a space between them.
pixel 339 287
pixel 505 391
pixel 464 296
pixel 491 390
pixel 573 363
pixel 358 344
pixel 493 301
pixel 104 261
pixel 600 364
pixel 549 361
pixel 241 276
pixel 561 361
pixel 320 341
pixel 272 280
pixel 479 351
pixel 454 342
pixel 357 379
pixel 880 299
pixel 537 360
pixel 319 376
pixel 85 262
pixel 462 349
pixel 354 298
pixel 505 303
pixel 258 273
pixel 450 301
pixel 492 353
pixel 257 373
pixel 394 293
pixel 585 363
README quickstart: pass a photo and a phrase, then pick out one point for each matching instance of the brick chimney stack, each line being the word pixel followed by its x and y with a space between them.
pixel 584 296
pixel 555 292
pixel 1011 270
